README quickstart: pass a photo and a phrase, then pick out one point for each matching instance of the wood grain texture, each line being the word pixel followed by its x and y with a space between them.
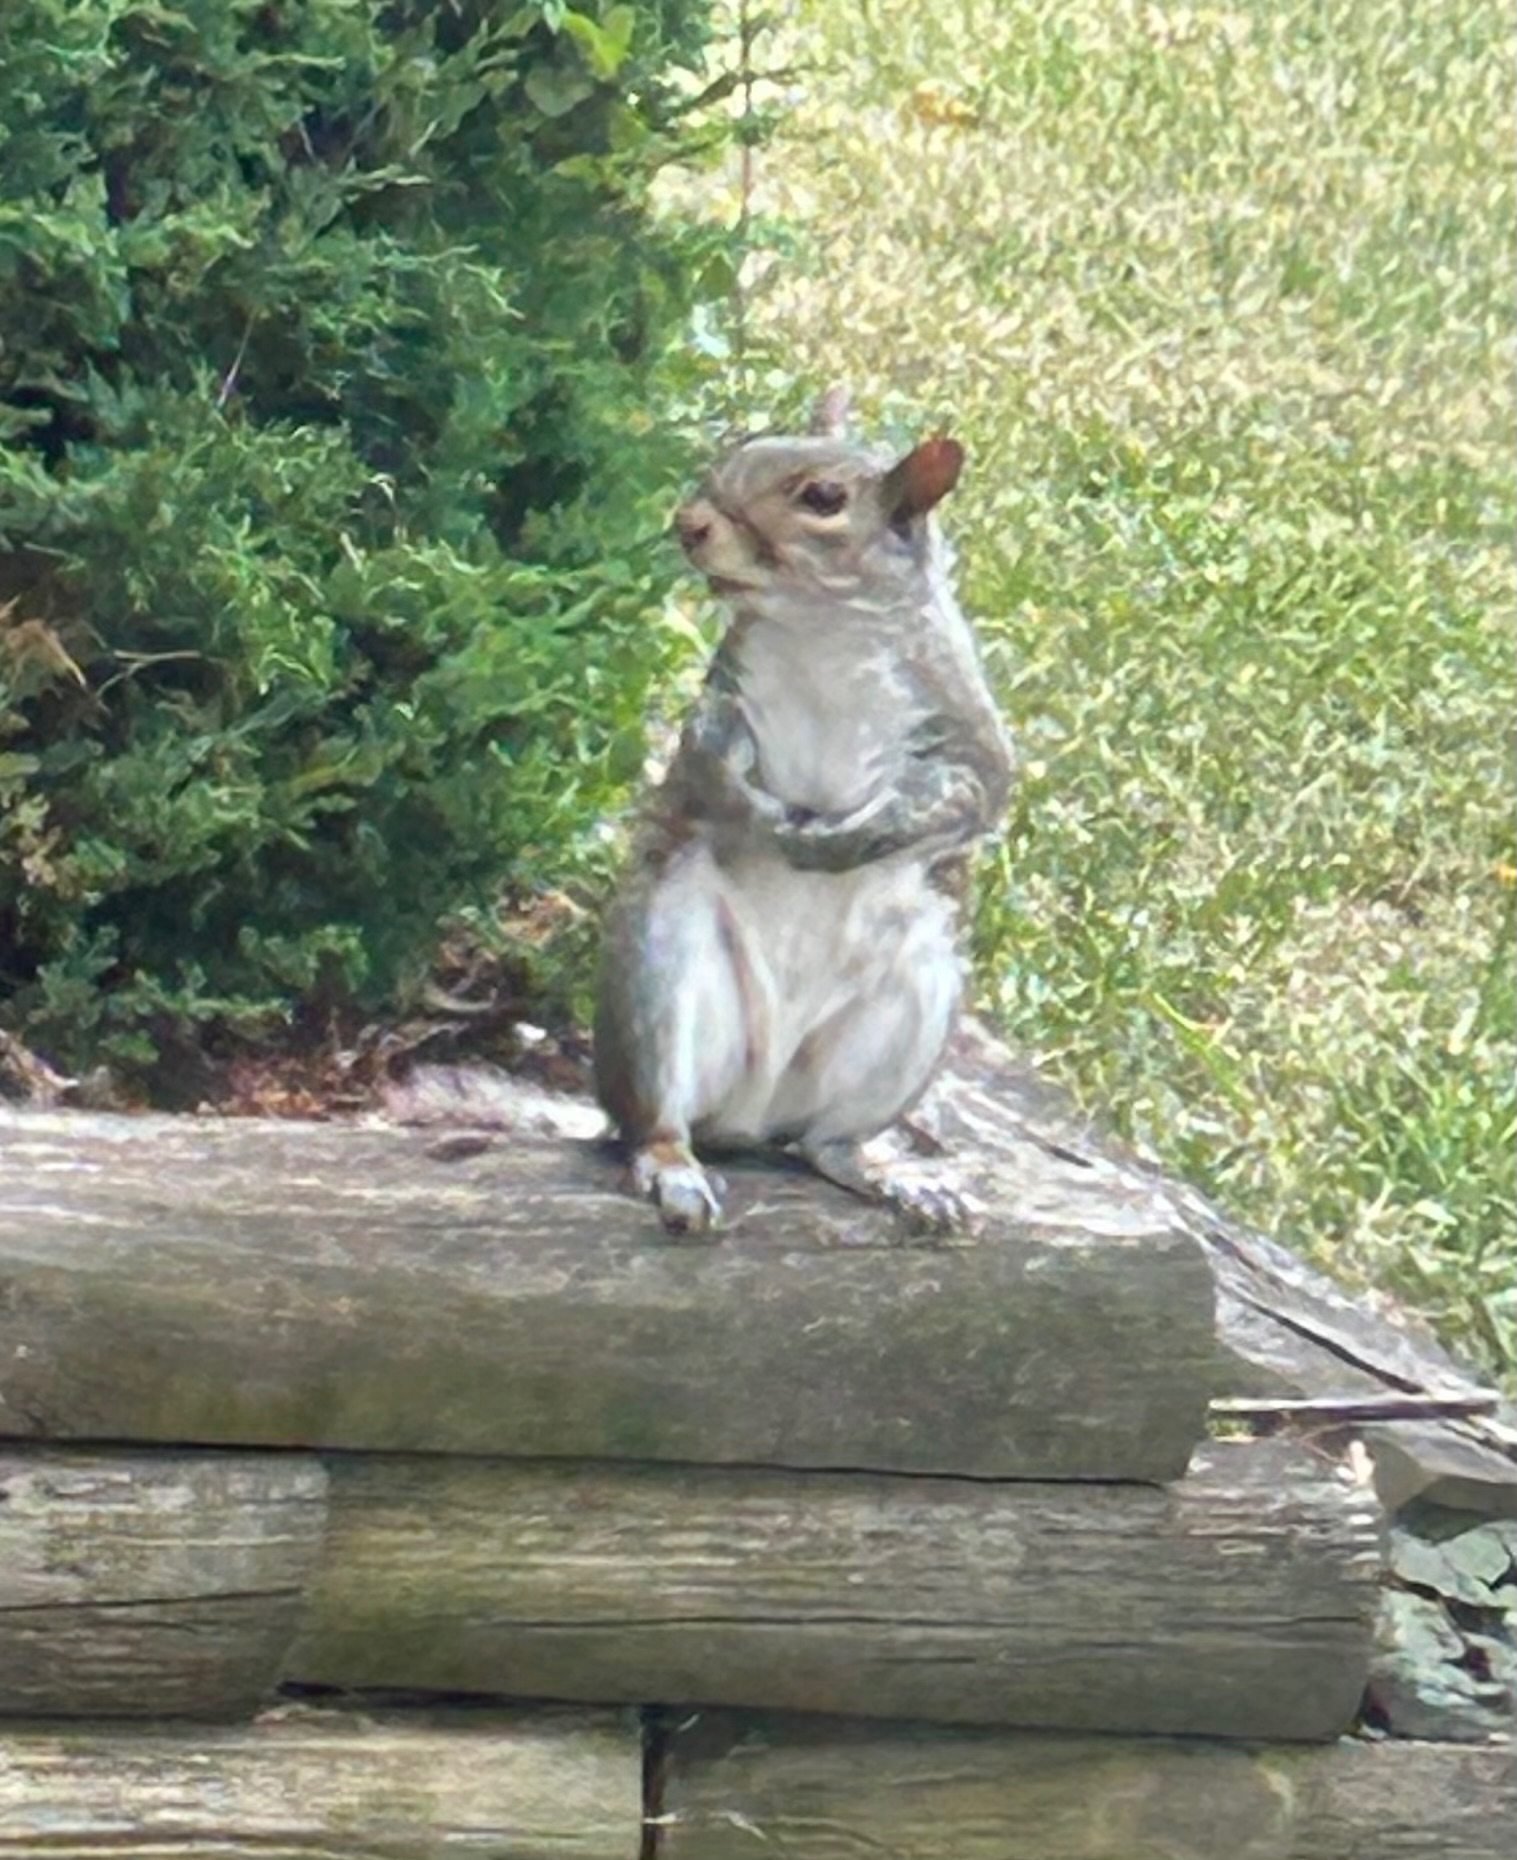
pixel 1237 1603
pixel 1284 1327
pixel 276 1284
pixel 329 1785
pixel 141 1585
pixel 747 1790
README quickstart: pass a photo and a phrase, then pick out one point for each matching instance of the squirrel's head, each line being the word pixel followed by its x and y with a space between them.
pixel 817 516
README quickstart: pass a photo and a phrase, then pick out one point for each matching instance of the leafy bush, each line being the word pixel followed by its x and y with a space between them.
pixel 332 484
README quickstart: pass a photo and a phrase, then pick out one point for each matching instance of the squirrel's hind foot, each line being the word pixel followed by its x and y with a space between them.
pixel 927 1202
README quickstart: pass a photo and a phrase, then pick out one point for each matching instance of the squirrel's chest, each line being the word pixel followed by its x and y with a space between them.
pixel 830 717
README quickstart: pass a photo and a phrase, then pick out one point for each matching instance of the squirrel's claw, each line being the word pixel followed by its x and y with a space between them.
pixel 931 1210
pixel 928 1204
pixel 686 1197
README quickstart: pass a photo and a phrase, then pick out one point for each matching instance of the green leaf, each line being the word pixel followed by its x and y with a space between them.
pixel 605 43
pixel 557 89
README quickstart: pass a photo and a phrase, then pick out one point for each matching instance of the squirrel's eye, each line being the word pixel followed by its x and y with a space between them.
pixel 826 500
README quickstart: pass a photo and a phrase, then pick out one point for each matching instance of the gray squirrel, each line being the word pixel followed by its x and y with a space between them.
pixel 779 963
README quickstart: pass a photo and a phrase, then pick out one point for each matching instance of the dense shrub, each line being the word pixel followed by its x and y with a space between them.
pixel 332 481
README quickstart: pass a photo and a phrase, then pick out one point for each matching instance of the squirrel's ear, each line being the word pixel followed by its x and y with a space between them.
pixel 829 414
pixel 923 478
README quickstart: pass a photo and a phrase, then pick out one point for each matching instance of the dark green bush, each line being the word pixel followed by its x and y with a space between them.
pixel 336 344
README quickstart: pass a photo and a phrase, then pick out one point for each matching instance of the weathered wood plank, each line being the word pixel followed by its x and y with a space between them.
pixel 1237 1603
pixel 343 1286
pixel 330 1785
pixel 1283 1326
pixel 744 1790
pixel 151 1585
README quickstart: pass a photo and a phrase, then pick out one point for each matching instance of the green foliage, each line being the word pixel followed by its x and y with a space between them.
pixel 1220 300
pixel 333 472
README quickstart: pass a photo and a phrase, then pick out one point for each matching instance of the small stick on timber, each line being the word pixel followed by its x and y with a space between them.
pixel 1279 1411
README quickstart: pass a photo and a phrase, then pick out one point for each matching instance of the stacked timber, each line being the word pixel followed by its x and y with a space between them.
pixel 824 1538
pixel 1237 1604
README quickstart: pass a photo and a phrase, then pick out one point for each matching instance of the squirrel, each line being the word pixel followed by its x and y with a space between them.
pixel 779 964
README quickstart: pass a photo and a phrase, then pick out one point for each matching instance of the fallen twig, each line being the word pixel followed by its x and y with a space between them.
pixel 1410 1406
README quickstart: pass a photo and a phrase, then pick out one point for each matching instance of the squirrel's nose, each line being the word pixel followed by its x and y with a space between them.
pixel 693 524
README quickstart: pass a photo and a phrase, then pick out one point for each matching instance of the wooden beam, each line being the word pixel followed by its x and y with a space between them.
pixel 274 1284
pixel 1238 1603
pixel 750 1789
pixel 523 1785
pixel 148 1585
pixel 1284 1327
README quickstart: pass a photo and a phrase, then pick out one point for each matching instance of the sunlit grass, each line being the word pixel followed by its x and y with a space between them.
pixel 1221 301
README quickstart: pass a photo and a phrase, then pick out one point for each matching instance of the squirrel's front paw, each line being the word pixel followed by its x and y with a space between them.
pixel 686 1197
pixel 716 773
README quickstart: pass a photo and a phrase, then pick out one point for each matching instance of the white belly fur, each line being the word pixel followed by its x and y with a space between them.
pixel 861 963
pixel 842 986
